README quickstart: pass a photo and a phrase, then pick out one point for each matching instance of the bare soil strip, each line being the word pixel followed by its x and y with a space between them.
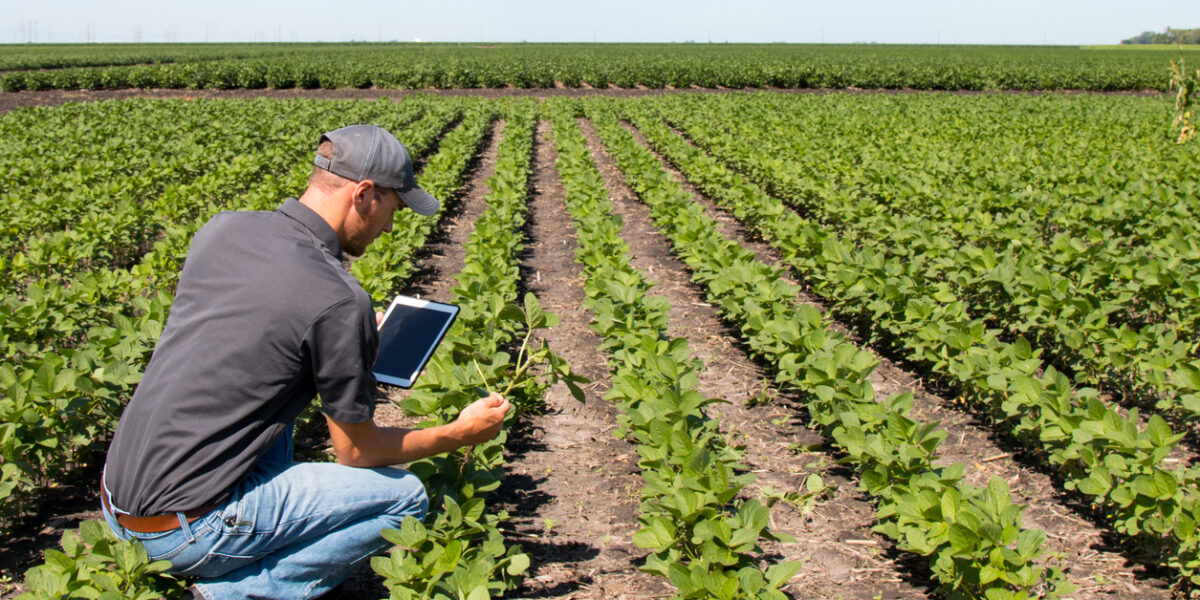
pixel 1095 561
pixel 571 486
pixel 842 557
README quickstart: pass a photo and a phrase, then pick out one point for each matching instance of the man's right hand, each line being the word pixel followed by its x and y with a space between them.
pixel 481 420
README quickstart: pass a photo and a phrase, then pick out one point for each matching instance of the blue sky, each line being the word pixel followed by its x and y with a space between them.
pixel 918 21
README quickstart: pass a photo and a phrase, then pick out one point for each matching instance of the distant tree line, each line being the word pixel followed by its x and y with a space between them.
pixel 1170 36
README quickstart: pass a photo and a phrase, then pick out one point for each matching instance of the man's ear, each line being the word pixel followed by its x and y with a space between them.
pixel 363 194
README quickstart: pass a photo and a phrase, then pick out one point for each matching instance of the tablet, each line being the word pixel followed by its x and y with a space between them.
pixel 411 330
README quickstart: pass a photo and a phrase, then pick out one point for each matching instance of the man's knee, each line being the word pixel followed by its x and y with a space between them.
pixel 411 499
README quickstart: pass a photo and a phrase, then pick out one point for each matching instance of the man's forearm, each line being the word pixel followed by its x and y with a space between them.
pixel 363 445
pixel 399 445
pixel 369 445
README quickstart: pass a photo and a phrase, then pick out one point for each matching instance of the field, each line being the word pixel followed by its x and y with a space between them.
pixel 592 66
pixel 837 345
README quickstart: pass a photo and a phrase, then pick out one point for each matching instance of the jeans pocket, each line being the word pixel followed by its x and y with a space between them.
pixel 174 546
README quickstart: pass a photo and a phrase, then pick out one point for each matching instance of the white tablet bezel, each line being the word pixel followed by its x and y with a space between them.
pixel 431 305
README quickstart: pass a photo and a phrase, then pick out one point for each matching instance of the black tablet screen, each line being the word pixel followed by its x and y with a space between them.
pixel 407 339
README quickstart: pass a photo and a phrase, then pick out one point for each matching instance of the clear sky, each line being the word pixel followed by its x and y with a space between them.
pixel 837 21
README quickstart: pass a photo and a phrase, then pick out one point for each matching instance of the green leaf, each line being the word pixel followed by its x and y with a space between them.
pixel 449 556
pixel 519 564
pixel 70 542
pixel 962 539
pixel 453 512
pixel 533 311
pixel 754 515
pixel 656 536
pixel 779 574
pixel 949 505
pixel 995 593
pixel 1029 543
pixel 998 495
pixel 412 533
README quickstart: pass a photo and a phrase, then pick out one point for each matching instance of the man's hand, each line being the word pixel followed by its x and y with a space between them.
pixel 481 420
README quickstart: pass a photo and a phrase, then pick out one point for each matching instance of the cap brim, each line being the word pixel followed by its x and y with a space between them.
pixel 419 200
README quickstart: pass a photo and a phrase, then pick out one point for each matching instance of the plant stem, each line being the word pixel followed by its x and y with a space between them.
pixel 486 387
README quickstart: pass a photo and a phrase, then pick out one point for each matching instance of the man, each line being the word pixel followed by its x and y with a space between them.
pixel 265 317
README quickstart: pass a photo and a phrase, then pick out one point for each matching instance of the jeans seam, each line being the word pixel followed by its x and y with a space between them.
pixel 199 587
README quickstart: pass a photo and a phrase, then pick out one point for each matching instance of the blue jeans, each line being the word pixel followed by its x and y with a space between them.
pixel 290 530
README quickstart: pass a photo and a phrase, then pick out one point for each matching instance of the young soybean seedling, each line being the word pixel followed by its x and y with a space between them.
pixel 524 370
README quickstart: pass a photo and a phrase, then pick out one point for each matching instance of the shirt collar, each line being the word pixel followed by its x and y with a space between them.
pixel 314 223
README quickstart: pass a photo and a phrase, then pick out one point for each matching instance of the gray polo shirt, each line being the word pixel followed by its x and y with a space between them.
pixel 265 317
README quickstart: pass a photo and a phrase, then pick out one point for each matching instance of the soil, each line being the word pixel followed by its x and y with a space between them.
pixel 571 486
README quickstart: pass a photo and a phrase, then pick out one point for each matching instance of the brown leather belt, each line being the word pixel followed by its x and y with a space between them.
pixel 155 524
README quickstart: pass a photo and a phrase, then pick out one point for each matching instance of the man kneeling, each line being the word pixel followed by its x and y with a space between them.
pixel 265 318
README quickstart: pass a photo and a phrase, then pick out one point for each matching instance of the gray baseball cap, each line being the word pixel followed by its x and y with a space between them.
pixel 362 152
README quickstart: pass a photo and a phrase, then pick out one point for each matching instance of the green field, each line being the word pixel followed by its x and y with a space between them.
pixel 428 65
pixel 1038 255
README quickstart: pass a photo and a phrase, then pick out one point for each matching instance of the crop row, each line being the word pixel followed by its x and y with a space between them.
pixel 1092 448
pixel 972 537
pixel 420 66
pixel 701 535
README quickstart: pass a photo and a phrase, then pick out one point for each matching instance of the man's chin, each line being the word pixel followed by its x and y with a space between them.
pixel 353 254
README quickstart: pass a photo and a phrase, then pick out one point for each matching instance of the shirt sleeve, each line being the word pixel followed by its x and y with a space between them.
pixel 342 345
